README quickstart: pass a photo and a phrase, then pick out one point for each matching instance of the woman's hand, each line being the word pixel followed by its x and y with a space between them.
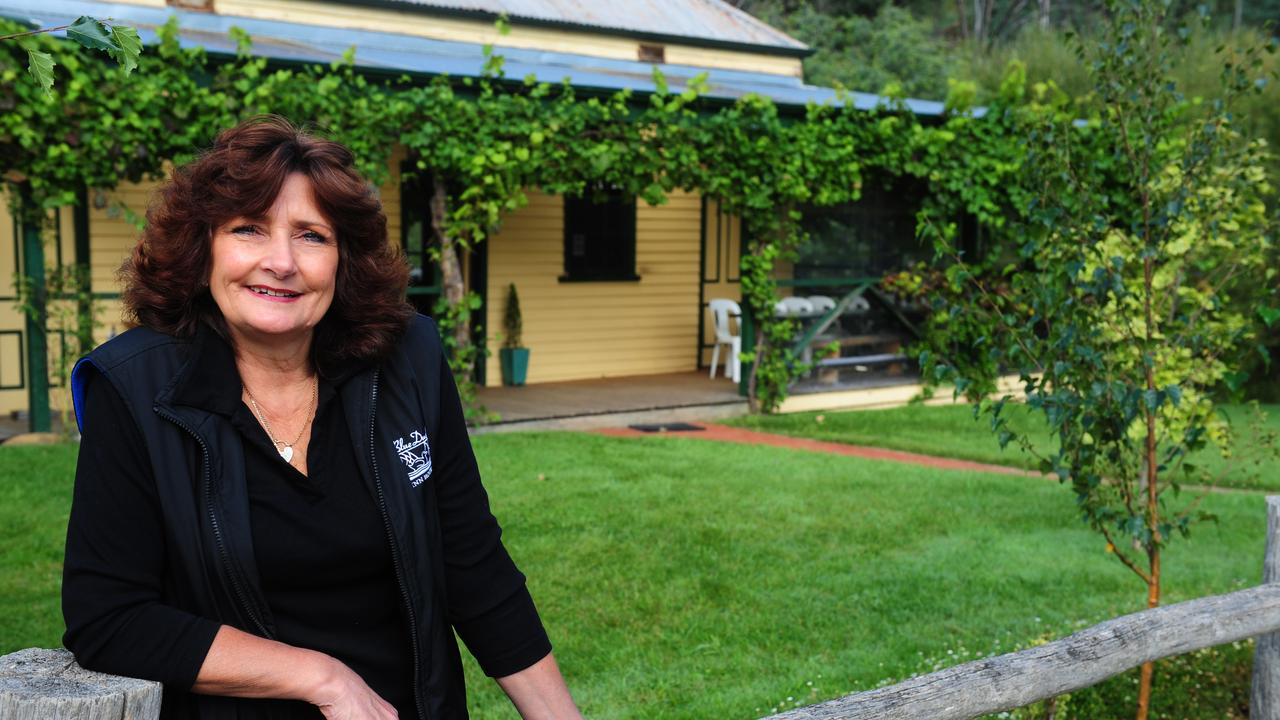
pixel 346 696
pixel 244 665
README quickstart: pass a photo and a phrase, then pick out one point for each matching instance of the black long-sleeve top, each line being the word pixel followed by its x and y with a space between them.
pixel 318 540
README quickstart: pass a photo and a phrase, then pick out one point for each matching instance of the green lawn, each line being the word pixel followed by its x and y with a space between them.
pixel 952 431
pixel 686 579
pixel 694 580
pixel 35 497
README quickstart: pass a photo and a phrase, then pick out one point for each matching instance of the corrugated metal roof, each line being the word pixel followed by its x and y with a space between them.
pixel 695 19
pixel 394 53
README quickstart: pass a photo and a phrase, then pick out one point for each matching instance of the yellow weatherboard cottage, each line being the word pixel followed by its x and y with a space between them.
pixel 609 287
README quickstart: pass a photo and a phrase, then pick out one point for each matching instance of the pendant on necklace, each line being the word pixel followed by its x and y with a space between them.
pixel 286 452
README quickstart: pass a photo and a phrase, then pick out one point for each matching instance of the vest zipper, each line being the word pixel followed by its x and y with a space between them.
pixel 236 587
pixel 395 551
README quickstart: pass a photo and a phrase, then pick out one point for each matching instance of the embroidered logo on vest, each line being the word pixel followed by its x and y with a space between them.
pixel 416 455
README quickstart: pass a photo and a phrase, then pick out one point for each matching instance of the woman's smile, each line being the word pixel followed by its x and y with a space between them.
pixel 275 294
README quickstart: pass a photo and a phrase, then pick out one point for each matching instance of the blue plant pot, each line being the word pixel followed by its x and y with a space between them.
pixel 515 365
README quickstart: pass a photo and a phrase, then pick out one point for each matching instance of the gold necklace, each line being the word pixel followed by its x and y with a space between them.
pixel 286 449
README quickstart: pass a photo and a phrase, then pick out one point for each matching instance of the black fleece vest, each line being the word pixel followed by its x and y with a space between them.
pixel 198 460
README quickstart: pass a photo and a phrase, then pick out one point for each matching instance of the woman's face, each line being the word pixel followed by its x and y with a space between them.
pixel 273 276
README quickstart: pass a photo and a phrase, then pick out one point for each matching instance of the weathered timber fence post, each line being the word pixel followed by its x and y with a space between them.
pixel 1264 698
pixel 38 684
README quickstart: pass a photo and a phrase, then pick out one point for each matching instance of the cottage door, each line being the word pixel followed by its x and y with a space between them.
pixel 721 276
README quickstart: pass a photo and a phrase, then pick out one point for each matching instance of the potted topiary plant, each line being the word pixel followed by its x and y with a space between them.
pixel 513 357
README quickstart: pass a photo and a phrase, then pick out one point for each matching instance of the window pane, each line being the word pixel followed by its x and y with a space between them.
pixel 599 240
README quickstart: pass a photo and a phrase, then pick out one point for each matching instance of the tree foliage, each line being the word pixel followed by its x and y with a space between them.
pixel 889 48
pixel 918 43
pixel 121 42
pixel 1125 294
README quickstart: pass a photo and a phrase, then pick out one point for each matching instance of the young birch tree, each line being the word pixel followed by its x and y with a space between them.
pixel 1125 297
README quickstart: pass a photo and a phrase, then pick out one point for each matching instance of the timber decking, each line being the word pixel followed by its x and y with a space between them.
pixel 612 396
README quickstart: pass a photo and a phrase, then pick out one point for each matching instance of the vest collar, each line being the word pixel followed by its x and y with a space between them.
pixel 208 380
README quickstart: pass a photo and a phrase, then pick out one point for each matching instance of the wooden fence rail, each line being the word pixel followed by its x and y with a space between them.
pixel 1088 657
pixel 48 685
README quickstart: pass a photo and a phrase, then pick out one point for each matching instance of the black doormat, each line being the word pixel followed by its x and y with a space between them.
pixel 666 427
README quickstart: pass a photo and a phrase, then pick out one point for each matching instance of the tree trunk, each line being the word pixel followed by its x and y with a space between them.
pixel 1044 14
pixel 1150 461
pixel 1150 468
pixel 753 400
pixel 1148 669
pixel 962 21
pixel 450 264
pixel 1237 20
pixel 1010 20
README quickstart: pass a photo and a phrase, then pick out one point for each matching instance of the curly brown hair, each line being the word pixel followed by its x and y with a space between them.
pixel 166 277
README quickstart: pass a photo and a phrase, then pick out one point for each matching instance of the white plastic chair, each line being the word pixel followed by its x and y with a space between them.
pixel 721 312
pixel 858 306
pixel 822 304
pixel 793 306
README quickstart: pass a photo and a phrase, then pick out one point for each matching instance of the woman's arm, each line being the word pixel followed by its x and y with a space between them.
pixel 247 666
pixel 489 605
pixel 539 692
pixel 113 571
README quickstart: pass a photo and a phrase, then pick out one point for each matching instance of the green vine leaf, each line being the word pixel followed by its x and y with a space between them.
pixel 93 34
pixel 129 47
pixel 1269 315
pixel 244 43
pixel 659 82
pixel 40 65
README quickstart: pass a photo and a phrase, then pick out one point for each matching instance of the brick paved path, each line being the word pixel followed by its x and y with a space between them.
pixel 724 433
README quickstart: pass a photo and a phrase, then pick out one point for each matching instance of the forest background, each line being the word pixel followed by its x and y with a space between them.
pixel 922 48
pixel 960 51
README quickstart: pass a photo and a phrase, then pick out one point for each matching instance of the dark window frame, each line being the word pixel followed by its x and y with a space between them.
pixel 652 53
pixel 595 218
pixel 193 5
pixel 415 209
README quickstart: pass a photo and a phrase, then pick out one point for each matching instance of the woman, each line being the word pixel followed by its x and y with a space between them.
pixel 277 509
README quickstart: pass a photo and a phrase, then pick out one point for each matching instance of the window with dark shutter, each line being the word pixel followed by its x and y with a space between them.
pixel 599 237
